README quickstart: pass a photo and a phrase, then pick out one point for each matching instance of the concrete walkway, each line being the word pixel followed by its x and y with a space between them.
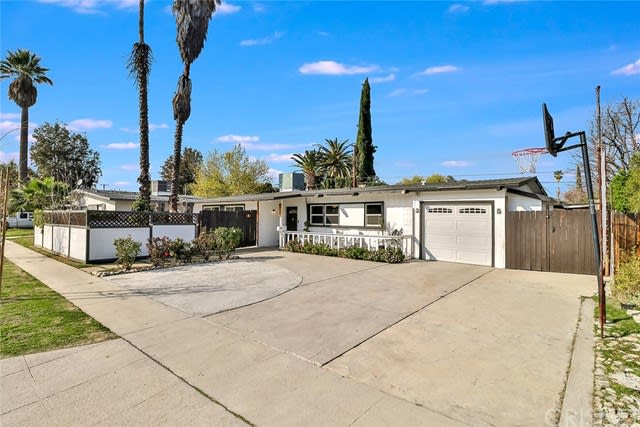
pixel 357 343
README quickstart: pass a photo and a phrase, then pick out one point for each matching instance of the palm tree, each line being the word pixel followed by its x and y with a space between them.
pixel 139 66
pixel 335 161
pixel 45 193
pixel 558 175
pixel 309 164
pixel 192 22
pixel 25 67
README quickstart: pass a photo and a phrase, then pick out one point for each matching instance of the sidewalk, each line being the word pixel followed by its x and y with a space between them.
pixel 264 385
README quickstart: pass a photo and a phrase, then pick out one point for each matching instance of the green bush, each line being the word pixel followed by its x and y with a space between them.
pixel 38 218
pixel 227 241
pixel 205 244
pixel 181 250
pixel 127 250
pixel 159 250
pixel 626 285
pixel 390 255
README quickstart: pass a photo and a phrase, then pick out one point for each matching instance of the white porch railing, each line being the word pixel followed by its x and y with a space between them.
pixel 339 241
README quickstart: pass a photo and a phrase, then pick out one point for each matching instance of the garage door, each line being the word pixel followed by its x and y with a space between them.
pixel 458 233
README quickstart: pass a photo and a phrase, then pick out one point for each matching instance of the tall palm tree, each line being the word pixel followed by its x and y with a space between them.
pixel 139 66
pixel 192 22
pixel 309 163
pixel 335 161
pixel 25 67
pixel 558 175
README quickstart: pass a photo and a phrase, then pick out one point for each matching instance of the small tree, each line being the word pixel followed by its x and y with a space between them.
pixel 190 164
pixel 38 194
pixel 230 173
pixel 65 156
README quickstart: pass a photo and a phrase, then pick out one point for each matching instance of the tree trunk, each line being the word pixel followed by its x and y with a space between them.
pixel 144 179
pixel 175 180
pixel 24 144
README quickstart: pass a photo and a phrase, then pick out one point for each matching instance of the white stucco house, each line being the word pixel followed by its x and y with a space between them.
pixel 113 200
pixel 460 221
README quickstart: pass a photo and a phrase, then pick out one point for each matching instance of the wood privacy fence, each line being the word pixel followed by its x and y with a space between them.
pixel 557 240
pixel 625 231
pixel 244 220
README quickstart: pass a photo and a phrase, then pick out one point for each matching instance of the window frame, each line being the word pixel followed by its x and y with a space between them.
pixel 311 215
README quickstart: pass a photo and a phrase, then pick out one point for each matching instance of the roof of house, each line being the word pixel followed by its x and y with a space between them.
pixel 130 195
pixel 498 184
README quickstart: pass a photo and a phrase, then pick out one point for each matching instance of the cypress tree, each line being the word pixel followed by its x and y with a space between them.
pixel 364 149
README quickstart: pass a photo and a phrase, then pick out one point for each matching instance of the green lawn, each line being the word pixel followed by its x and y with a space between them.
pixel 34 318
pixel 16 232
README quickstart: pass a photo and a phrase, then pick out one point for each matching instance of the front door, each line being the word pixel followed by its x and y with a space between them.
pixel 292 218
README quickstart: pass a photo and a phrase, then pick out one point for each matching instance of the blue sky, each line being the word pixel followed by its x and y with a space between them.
pixel 456 87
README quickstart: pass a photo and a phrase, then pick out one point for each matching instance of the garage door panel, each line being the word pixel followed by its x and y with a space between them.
pixel 458 233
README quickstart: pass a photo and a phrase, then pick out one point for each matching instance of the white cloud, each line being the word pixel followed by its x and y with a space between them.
pixel 324 33
pixel 153 126
pixel 7 157
pixel 130 167
pixel 8 126
pixel 273 174
pixel 92 6
pixel 262 41
pixel 382 79
pixel 456 164
pixel 440 69
pixel 259 8
pixel 408 92
pixel 493 2
pixel 629 69
pixel 239 139
pixel 89 124
pixel 121 146
pixel 458 8
pixel 278 158
pixel 227 8
pixel 335 68
pixel 120 184
pixel 9 116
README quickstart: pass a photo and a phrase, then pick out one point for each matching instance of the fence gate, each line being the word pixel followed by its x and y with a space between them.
pixel 557 240
pixel 244 220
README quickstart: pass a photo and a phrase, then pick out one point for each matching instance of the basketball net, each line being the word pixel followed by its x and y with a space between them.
pixel 527 158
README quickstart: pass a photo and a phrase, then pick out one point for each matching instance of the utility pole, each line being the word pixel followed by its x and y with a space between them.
pixel 602 183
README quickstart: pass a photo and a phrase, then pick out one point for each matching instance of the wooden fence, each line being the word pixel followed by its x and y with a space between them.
pixel 244 220
pixel 625 230
pixel 555 240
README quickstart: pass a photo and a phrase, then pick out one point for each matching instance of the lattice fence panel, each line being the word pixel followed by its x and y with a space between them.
pixel 117 219
pixel 165 218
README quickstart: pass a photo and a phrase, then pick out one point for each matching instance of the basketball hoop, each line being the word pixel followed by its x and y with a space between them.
pixel 527 158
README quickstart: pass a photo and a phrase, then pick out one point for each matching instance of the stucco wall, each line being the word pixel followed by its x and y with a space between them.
pixel 268 222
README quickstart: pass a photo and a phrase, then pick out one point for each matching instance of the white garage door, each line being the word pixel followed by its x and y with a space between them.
pixel 458 233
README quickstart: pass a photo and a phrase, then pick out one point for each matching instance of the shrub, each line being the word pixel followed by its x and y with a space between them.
pixel 159 250
pixel 227 240
pixel 205 243
pixel 626 285
pixel 127 250
pixel 390 254
pixel 38 218
pixel 181 250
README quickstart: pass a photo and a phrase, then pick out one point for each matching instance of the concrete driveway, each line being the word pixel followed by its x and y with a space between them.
pixel 420 343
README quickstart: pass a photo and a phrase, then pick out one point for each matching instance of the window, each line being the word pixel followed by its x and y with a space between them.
pixel 441 210
pixel 347 215
pixel 332 215
pixel 211 208
pixel 317 215
pixel 234 208
pixel 373 214
pixel 227 208
pixel 472 211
